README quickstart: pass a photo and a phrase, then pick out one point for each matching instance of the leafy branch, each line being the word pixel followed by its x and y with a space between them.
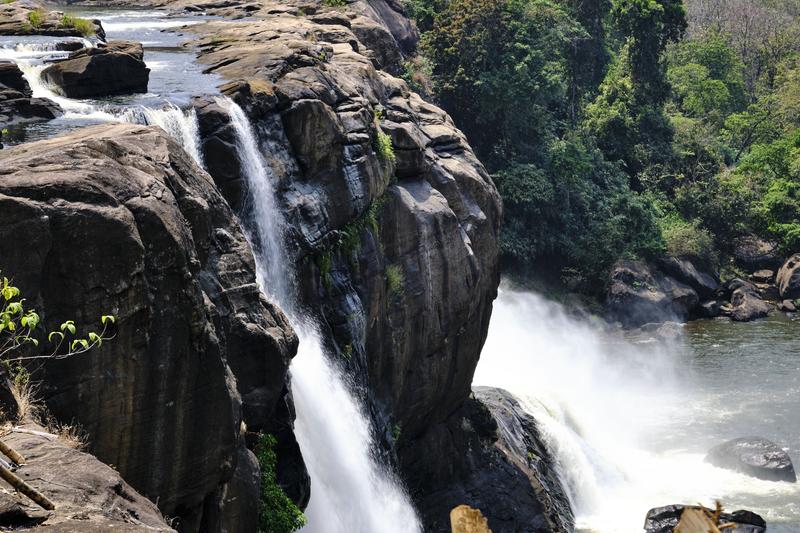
pixel 19 328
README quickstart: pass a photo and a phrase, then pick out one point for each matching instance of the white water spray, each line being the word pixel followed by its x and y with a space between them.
pixel 614 415
pixel 351 491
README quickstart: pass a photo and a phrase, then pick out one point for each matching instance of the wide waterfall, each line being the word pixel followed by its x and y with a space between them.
pixel 629 421
pixel 351 492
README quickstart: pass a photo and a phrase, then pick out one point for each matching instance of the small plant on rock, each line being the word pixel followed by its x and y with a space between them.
pixel 36 18
pixel 395 279
pixel 84 27
pixel 383 146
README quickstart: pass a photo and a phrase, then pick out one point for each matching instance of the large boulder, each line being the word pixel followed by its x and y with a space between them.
pixel 107 69
pixel 753 253
pixel 119 219
pixel 639 294
pixel 16 98
pixel 746 302
pixel 665 519
pixel 754 456
pixel 788 278
pixel 686 271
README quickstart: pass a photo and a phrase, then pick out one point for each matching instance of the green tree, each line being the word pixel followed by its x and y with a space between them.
pixel 499 69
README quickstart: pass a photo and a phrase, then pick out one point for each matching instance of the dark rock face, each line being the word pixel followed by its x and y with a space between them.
pixel 788 278
pixel 753 253
pixel 746 303
pixel 640 294
pixel 495 462
pixel 665 519
pixel 89 495
pixel 685 271
pixel 755 457
pixel 16 98
pixel 521 443
pixel 118 219
pixel 115 68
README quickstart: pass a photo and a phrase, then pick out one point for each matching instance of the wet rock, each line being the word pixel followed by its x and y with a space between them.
pixel 788 306
pixel 711 309
pixel 788 278
pixel 753 253
pixel 16 98
pixel 639 294
pixel 496 461
pixel 105 70
pixel 195 340
pixel 746 303
pixel 754 456
pixel 665 519
pixel 763 276
pixel 685 271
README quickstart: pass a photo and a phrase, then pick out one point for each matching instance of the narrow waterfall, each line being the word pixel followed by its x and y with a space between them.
pixel 627 420
pixel 351 492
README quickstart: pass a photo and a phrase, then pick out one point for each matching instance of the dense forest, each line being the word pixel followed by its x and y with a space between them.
pixel 623 128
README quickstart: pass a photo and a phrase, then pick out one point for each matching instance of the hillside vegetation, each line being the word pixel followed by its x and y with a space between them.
pixel 623 128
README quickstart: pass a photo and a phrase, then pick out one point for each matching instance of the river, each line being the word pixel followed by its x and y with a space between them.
pixel 630 420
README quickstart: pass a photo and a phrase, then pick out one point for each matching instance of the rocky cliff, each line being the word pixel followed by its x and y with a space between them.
pixel 394 226
pixel 118 219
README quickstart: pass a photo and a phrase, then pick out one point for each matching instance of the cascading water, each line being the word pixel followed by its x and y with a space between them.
pixel 351 492
pixel 629 423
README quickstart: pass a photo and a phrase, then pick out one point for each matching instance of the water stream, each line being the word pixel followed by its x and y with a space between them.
pixel 630 421
pixel 351 491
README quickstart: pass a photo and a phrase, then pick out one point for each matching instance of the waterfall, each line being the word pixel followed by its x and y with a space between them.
pixel 628 422
pixel 179 124
pixel 351 492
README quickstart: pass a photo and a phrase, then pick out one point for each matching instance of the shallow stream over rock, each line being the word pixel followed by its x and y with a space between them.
pixel 175 76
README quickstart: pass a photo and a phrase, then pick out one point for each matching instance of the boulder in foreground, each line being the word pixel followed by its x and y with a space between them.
pixel 754 456
pixel 89 496
pixel 115 68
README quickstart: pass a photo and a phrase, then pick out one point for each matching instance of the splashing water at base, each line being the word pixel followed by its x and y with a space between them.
pixel 629 424
pixel 351 492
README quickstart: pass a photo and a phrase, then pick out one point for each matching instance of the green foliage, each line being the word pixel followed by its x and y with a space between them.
pixel 19 328
pixel 395 280
pixel 383 147
pixel 85 27
pixel 499 68
pixel 277 513
pixel 707 79
pixel 335 3
pixel 688 240
pixel 576 214
pixel 36 18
